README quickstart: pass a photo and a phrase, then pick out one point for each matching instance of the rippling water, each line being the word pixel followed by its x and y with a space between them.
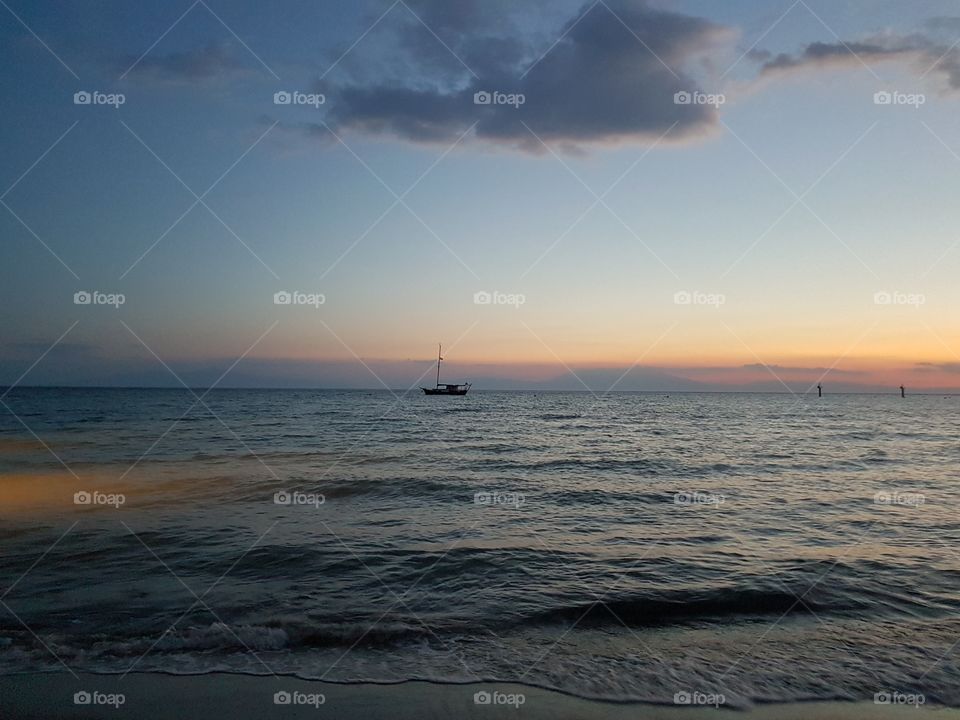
pixel 626 546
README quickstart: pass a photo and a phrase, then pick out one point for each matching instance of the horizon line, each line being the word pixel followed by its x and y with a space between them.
pixel 895 391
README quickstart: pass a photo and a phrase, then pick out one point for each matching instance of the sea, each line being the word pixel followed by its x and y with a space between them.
pixel 619 546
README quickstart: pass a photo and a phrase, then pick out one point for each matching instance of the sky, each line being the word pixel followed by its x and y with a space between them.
pixel 620 194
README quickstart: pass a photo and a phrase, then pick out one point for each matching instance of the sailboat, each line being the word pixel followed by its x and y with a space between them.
pixel 445 389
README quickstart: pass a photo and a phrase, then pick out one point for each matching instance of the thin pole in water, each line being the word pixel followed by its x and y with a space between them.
pixel 903 391
pixel 819 390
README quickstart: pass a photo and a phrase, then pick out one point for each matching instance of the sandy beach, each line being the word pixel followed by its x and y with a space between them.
pixel 151 696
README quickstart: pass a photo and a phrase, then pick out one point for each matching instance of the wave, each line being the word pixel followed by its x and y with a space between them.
pixel 682 607
pixel 408 487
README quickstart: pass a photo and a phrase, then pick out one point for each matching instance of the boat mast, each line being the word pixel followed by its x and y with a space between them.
pixel 439 347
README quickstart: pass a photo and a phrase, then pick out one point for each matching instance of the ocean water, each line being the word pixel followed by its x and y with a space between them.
pixel 629 546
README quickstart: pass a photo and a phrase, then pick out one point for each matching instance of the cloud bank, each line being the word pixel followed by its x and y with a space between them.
pixel 923 53
pixel 609 75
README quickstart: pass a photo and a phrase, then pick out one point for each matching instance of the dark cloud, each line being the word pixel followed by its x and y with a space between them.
pixel 612 77
pixel 924 53
pixel 200 65
pixel 759 55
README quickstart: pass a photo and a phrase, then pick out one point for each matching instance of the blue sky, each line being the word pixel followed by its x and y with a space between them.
pixel 704 199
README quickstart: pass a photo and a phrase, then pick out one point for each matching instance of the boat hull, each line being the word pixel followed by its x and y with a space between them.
pixel 444 391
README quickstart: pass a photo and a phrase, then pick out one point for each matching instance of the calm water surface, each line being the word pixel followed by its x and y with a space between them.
pixel 627 546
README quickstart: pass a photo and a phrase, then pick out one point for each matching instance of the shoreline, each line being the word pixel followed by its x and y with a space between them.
pixel 168 696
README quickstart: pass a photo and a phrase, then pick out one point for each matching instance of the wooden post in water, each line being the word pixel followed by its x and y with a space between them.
pixel 903 391
pixel 819 390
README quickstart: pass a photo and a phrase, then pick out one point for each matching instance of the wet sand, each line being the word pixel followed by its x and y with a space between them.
pixel 151 696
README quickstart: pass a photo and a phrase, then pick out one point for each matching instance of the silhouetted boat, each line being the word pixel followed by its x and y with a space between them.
pixel 445 389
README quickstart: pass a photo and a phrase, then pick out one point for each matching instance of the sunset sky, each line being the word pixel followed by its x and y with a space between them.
pixel 812 227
